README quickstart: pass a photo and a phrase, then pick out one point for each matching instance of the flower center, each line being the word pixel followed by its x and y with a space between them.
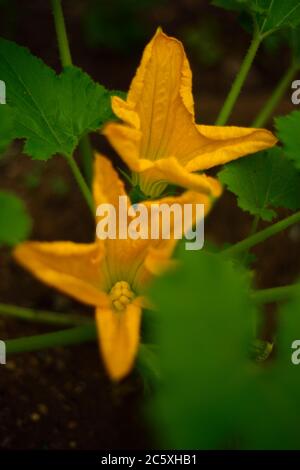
pixel 121 295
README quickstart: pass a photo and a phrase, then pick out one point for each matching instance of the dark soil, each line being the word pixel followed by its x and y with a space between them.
pixel 58 399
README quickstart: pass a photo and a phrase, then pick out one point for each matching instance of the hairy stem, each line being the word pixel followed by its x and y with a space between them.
pixel 263 235
pixel 275 294
pixel 61 33
pixel 42 316
pixel 253 230
pixel 86 152
pixel 254 226
pixel 239 82
pixel 81 183
pixel 274 100
pixel 77 335
pixel 66 60
pixel 71 336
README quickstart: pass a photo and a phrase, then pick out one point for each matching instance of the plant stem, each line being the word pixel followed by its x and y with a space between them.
pixel 77 335
pixel 87 158
pixel 275 294
pixel 239 81
pixel 81 183
pixel 42 316
pixel 254 225
pixel 263 235
pixel 66 60
pixel 267 111
pixel 253 230
pixel 61 33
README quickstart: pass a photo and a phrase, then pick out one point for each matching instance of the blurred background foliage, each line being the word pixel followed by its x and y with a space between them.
pixel 214 393
pixel 120 29
pixel 129 20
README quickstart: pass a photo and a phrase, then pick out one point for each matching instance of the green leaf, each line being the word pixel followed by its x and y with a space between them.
pixel 52 112
pixel 15 223
pixel 269 15
pixel 273 15
pixel 204 330
pixel 211 395
pixel 288 131
pixel 263 182
pixel 6 126
pixel 290 38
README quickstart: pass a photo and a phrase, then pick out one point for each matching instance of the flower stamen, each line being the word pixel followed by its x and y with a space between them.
pixel 121 295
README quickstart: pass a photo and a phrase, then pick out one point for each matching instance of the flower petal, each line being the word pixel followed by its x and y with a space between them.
pixel 229 143
pixel 171 171
pixel 159 125
pixel 107 186
pixel 166 48
pixel 158 256
pixel 126 141
pixel 160 103
pixel 72 268
pixel 125 111
pixel 119 335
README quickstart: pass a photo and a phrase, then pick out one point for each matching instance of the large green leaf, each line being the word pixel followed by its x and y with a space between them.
pixel 276 14
pixel 263 182
pixel 6 126
pixel 269 15
pixel 15 223
pixel 52 112
pixel 212 396
pixel 288 130
pixel 204 329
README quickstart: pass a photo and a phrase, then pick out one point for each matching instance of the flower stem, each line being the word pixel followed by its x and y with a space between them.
pixel 254 225
pixel 239 81
pixel 61 33
pixel 81 182
pixel 66 60
pixel 77 335
pixel 42 316
pixel 263 235
pixel 86 152
pixel 275 294
pixel 267 111
pixel 253 230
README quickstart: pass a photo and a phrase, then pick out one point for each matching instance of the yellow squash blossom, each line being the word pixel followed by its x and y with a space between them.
pixel 110 274
pixel 159 139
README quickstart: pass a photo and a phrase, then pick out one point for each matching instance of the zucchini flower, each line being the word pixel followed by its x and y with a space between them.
pixel 158 138
pixel 110 274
